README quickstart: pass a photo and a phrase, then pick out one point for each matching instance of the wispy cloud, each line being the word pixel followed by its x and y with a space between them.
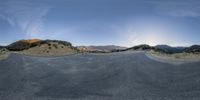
pixel 180 8
pixel 6 18
pixel 29 16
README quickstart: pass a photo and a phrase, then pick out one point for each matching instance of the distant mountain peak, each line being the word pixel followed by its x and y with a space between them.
pixel 162 45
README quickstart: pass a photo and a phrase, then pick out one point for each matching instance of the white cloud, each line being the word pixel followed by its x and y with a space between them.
pixel 36 25
pixel 28 16
pixel 9 20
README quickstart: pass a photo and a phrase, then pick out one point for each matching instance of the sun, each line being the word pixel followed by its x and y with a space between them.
pixel 150 35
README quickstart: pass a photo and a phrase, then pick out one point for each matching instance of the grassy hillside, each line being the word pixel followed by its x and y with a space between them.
pixel 50 47
pixel 42 47
pixel 27 44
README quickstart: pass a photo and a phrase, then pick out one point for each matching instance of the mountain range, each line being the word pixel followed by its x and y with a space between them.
pixel 29 44
pixel 106 48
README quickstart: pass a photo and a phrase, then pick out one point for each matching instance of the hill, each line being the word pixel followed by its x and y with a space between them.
pixel 42 47
pixel 140 47
pixel 1 47
pixel 170 49
pixel 193 49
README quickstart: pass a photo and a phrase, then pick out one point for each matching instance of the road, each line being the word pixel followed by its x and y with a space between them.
pixel 114 76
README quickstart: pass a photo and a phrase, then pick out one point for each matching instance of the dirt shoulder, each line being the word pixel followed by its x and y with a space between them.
pixel 177 58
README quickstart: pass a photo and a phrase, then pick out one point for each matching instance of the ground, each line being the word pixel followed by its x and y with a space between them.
pixel 112 76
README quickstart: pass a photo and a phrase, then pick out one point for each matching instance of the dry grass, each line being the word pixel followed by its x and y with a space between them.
pixel 50 49
pixel 177 56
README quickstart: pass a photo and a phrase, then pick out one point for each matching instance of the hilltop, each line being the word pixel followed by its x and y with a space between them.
pixel 30 40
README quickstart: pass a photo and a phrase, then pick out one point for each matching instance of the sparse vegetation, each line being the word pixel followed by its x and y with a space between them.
pixel 49 44
pixel 184 56
pixel 21 45
pixel 195 49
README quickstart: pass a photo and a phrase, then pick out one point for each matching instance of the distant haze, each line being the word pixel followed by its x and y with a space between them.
pixel 102 22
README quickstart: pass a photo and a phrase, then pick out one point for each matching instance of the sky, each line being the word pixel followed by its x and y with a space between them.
pixel 102 22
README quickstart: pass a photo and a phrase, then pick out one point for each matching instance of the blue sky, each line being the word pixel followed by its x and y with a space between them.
pixel 102 22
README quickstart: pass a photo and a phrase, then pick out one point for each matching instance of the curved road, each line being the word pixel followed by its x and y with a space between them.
pixel 116 76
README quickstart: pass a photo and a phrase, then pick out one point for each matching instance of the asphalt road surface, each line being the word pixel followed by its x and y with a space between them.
pixel 115 76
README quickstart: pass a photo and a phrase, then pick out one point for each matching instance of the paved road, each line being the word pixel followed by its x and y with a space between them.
pixel 117 76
